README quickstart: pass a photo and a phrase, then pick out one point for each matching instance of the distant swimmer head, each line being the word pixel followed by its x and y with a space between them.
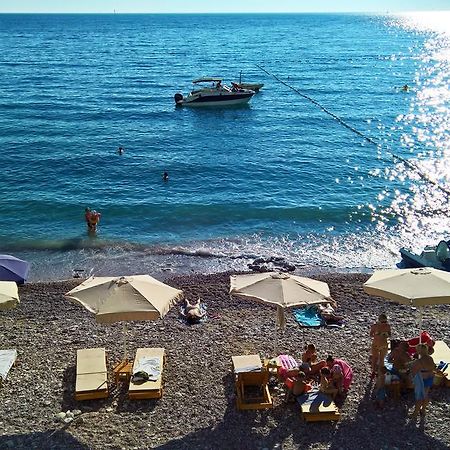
pixel 165 176
pixel 405 88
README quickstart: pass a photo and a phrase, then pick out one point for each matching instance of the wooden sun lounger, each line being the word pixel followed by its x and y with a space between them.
pixel 442 353
pixel 92 376
pixel 7 360
pixel 252 390
pixel 318 407
pixel 147 389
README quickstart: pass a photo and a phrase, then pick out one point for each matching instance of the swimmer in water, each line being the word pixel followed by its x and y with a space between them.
pixel 165 176
pixel 120 151
pixel 405 88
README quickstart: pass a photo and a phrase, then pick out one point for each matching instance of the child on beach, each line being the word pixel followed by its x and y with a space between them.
pixel 296 384
pixel 380 332
pixel 380 387
pixel 309 357
pixel 326 383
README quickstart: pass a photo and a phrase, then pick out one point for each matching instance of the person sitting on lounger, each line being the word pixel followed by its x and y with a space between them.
pixel 400 359
pixel 193 311
pixel 309 357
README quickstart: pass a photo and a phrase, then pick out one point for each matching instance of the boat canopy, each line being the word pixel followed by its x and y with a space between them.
pixel 207 80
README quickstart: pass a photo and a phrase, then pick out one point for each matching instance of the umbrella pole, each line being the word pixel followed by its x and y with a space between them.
pixel 420 323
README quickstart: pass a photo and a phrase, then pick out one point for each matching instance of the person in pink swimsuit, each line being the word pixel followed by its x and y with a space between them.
pixel 342 374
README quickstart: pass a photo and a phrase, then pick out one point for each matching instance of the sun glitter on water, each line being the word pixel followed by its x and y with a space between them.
pixel 419 199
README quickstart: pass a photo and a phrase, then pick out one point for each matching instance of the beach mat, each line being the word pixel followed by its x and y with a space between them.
pixel 308 317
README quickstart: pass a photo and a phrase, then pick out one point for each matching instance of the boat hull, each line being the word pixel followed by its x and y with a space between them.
pixel 217 100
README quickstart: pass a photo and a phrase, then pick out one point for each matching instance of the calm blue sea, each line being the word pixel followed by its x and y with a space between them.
pixel 277 177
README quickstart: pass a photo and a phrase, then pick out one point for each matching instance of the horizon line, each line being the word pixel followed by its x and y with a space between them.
pixel 226 12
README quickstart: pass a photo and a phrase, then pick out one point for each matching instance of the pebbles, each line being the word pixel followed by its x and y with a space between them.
pixel 197 410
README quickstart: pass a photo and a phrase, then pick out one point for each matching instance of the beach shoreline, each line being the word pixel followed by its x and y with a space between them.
pixel 198 409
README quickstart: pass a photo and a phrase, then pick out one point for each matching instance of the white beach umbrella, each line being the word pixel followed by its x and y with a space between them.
pixel 121 299
pixel 280 289
pixel 415 287
pixel 9 295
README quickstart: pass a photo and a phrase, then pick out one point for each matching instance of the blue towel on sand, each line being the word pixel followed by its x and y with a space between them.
pixel 307 317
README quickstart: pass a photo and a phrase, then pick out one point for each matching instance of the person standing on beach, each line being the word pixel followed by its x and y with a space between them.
pixel 422 372
pixel 380 332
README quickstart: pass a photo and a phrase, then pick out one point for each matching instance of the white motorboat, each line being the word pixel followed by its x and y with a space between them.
pixel 211 92
pixel 437 256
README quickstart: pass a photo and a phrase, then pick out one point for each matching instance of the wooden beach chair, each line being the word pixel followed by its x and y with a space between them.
pixel 442 353
pixel 252 390
pixel 147 389
pixel 92 376
pixel 318 407
pixel 7 360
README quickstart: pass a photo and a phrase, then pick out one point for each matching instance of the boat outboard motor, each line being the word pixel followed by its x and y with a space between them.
pixel 443 254
pixel 178 98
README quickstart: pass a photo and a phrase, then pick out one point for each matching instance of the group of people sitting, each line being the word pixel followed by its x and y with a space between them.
pixel 409 361
pixel 331 376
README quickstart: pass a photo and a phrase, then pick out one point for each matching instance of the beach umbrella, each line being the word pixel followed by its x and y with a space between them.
pixel 280 289
pixel 13 269
pixel 415 287
pixel 9 295
pixel 122 299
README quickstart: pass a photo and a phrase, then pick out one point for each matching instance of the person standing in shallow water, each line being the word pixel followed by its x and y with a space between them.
pixel 165 176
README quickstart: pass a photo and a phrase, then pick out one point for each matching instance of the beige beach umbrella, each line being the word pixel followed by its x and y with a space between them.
pixel 9 295
pixel 121 299
pixel 280 289
pixel 415 287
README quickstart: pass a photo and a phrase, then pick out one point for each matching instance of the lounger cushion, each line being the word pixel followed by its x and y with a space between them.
pixel 91 370
pixel 147 385
pixel 442 353
pixel 246 363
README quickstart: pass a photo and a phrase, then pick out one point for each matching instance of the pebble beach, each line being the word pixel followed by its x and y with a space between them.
pixel 198 408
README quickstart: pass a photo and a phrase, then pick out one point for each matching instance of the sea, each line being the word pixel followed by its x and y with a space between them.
pixel 333 165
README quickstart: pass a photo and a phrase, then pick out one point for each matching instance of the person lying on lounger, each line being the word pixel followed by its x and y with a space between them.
pixel 193 311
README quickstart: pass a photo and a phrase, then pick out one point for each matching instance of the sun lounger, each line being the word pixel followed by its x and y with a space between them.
pixel 246 363
pixel 251 383
pixel 442 353
pixel 7 360
pixel 92 375
pixel 152 358
pixel 317 407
